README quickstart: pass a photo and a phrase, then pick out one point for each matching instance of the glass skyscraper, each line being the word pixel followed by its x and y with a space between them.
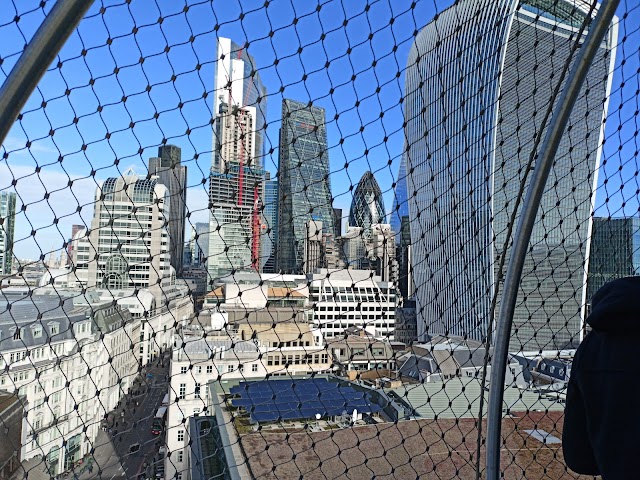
pixel 479 80
pixel 7 228
pixel 367 206
pixel 236 179
pixel 171 173
pixel 237 83
pixel 400 200
pixel 304 191
pixel 615 251
pixel 270 230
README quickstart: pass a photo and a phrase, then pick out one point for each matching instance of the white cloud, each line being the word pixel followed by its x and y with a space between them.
pixel 63 202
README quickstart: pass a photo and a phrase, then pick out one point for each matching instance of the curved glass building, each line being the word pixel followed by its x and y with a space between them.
pixel 367 206
pixel 479 81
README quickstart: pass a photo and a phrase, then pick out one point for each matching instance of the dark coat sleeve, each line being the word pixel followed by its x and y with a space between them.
pixel 576 444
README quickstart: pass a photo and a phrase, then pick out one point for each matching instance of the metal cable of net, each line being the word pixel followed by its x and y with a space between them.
pixel 269 239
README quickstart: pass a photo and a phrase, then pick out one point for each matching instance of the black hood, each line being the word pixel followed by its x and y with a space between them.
pixel 616 306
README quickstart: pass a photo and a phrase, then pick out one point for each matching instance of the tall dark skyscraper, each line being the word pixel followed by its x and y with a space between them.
pixel 304 191
pixel 367 206
pixel 7 227
pixel 171 173
pixel 478 79
pixel 615 251
pixel 269 233
pixel 337 222
pixel 400 200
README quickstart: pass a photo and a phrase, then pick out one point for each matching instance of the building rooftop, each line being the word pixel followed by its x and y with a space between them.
pixel 409 449
pixel 460 398
pixel 206 347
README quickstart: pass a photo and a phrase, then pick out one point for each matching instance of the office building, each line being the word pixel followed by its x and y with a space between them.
pixel 236 182
pixel 320 248
pixel 472 116
pixel 128 245
pixel 7 228
pixel 304 186
pixel 367 206
pixel 270 230
pixel 615 251
pixel 258 344
pixel 199 243
pixel 353 248
pixel 400 199
pixel 381 250
pixel 74 230
pixel 403 259
pixel 350 298
pixel 237 83
pixel 235 195
pixel 171 173
pixel 41 362
pixel 337 221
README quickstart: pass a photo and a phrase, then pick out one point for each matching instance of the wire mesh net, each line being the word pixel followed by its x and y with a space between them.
pixel 269 239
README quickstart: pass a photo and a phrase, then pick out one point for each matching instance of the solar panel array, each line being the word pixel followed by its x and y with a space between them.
pixel 278 400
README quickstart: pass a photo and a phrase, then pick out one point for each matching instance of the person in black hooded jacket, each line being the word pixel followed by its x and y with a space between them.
pixel 601 425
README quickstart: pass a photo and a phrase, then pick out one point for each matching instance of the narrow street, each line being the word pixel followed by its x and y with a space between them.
pixel 131 434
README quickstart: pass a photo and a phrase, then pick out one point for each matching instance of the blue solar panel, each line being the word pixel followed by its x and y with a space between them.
pixel 287 399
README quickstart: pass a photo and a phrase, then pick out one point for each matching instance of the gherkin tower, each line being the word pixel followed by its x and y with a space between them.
pixel 367 206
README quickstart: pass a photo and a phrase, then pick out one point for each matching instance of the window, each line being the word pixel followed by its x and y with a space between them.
pixel 182 391
pixel 230 368
pixel 198 369
pixel 181 435
pixel 209 368
pixel 183 369
pixel 254 367
pixel 197 390
pixel 16 334
pixel 37 331
pixel 179 456
pixel 54 328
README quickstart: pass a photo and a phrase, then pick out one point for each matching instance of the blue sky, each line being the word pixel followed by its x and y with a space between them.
pixel 357 33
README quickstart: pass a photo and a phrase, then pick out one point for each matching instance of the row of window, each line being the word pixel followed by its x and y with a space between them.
pixel 36 330
pixel 343 325
pixel 353 308
pixel 355 316
pixel 341 297
pixel 34 354
pixel 273 360
pixel 293 343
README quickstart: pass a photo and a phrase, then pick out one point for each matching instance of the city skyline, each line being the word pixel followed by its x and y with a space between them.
pixel 346 145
